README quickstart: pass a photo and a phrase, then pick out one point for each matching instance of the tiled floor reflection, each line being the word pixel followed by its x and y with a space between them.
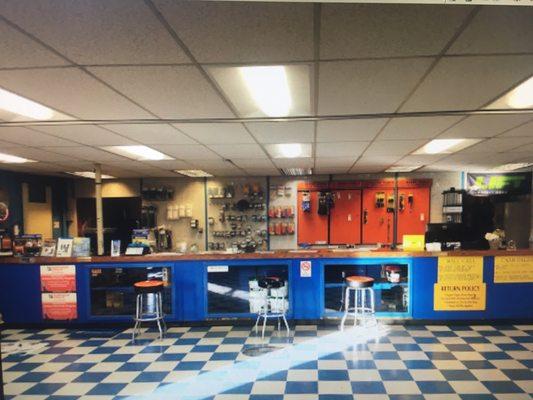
pixel 384 362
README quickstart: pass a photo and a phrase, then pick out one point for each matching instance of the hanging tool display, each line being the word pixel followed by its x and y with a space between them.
pixel 306 201
pixel 390 203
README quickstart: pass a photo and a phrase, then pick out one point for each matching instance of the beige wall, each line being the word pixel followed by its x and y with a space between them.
pixel 37 216
pixel 111 188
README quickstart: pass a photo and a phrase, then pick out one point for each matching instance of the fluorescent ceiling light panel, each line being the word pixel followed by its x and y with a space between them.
pixel 446 146
pixel 9 159
pixel 89 174
pixel 193 173
pixel 512 167
pixel 297 171
pixel 403 168
pixel 519 97
pixel 269 89
pixel 139 153
pixel 289 150
pixel 19 105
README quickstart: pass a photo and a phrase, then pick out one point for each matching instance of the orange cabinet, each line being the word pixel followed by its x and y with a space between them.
pixel 413 211
pixel 345 217
pixel 378 222
pixel 312 227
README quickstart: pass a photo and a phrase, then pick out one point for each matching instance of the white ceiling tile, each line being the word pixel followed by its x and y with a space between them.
pixel 498 145
pixel 283 132
pixel 228 171
pixel 484 126
pixel 230 80
pixel 167 91
pixel 238 150
pixel 187 151
pixel 348 130
pixel 416 128
pixel 86 153
pixel 40 154
pixel 468 82
pixel 341 149
pixel 263 171
pixel 29 137
pixel 368 168
pixel 420 159
pixel 386 30
pixel 330 170
pixel 168 164
pixel 347 87
pixel 335 162
pixel 294 162
pixel 88 32
pixel 512 35
pixel 217 163
pixel 85 134
pixel 393 147
pixel 242 32
pixel 216 133
pixel 526 149
pixel 525 130
pixel 7 145
pixel 72 91
pixel 253 162
pixel 151 133
pixel 18 50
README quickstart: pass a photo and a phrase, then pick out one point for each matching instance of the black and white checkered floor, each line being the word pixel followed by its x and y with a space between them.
pixel 384 362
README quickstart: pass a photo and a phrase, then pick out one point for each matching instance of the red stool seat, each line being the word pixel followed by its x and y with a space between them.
pixel 148 286
pixel 359 281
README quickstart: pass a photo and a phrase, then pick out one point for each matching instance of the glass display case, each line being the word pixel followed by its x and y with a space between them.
pixel 233 289
pixel 391 286
pixel 112 292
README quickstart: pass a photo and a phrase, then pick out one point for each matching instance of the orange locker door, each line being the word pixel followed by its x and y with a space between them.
pixel 345 218
pixel 312 227
pixel 413 211
pixel 377 222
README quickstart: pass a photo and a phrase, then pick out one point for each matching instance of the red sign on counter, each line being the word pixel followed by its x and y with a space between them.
pixel 58 278
pixel 60 306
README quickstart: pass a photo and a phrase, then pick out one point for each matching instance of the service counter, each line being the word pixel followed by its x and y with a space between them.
pixel 469 285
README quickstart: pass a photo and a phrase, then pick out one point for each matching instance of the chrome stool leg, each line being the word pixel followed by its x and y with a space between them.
pixel 346 307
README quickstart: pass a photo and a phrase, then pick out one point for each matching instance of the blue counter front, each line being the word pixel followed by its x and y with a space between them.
pixel 200 290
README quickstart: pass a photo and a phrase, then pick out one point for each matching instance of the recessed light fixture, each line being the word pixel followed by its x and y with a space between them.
pixel 289 150
pixel 89 174
pixel 511 167
pixel 269 89
pixel 9 159
pixel 297 171
pixel 139 153
pixel 519 97
pixel 19 105
pixel 446 146
pixel 194 173
pixel 403 168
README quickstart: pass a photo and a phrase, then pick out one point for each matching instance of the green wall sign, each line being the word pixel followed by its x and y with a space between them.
pixel 499 184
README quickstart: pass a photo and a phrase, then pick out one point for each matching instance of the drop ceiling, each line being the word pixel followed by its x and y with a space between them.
pixel 156 73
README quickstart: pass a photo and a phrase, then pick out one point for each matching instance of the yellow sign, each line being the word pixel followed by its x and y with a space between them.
pixel 513 269
pixel 460 270
pixel 413 242
pixel 460 284
pixel 459 297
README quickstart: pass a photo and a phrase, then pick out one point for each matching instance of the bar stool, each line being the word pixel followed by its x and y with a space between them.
pixel 362 286
pixel 275 304
pixel 149 305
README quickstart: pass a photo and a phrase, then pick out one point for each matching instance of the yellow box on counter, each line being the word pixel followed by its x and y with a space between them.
pixel 414 242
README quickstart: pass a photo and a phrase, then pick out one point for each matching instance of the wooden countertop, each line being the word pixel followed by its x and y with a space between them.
pixel 279 254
